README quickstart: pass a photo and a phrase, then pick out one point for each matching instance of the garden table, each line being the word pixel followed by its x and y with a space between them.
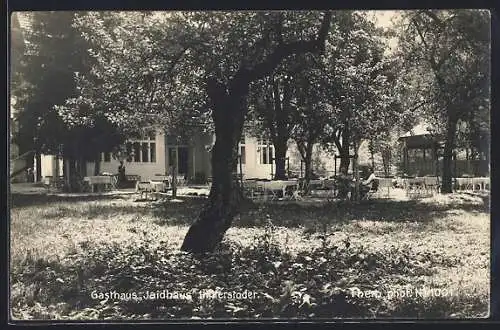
pixel 415 186
pixel 158 186
pixel 98 179
pixel 272 187
pixel 481 183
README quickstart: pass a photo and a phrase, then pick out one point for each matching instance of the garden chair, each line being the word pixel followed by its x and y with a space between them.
pixel 431 184
pixel 292 192
pixel 271 189
pixel 144 188
pixel 252 190
pixel 384 187
pixel 181 179
pixel 296 193
pixel 373 190
pixel 415 187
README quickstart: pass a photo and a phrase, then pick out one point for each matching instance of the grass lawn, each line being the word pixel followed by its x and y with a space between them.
pixel 113 258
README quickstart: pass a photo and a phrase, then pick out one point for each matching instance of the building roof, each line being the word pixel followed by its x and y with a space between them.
pixel 421 136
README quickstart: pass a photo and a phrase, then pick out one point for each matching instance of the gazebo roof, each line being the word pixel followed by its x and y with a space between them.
pixel 419 137
pixel 420 129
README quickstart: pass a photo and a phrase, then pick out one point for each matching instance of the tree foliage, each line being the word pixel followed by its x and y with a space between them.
pixel 450 48
pixel 56 53
pixel 183 67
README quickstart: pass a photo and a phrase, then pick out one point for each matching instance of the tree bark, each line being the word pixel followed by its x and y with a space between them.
pixel 38 166
pixel 447 184
pixel 73 177
pixel 281 133
pixel 174 174
pixel 305 149
pixel 66 174
pixel 386 160
pixel 280 160
pixel 345 159
pixel 372 153
pixel 225 196
pixel 308 166
pixel 228 104
pixel 343 148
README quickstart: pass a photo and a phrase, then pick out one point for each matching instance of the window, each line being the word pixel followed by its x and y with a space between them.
pixel 266 151
pixel 145 152
pixel 152 152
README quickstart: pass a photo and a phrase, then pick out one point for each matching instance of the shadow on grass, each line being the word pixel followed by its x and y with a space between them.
pixel 295 215
pixel 21 200
pixel 45 289
pixel 185 210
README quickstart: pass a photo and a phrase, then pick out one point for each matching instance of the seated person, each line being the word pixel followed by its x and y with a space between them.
pixel 370 178
pixel 366 185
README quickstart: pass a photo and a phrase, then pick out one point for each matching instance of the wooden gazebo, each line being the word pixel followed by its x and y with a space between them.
pixel 422 152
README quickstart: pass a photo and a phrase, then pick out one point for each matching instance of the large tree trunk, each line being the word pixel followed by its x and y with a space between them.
pixel 447 184
pixel 225 196
pixel 73 174
pixel 174 174
pixel 372 153
pixel 281 133
pixel 386 161
pixel 345 159
pixel 280 160
pixel 38 170
pixel 344 162
pixel 66 175
pixel 228 104
pixel 308 166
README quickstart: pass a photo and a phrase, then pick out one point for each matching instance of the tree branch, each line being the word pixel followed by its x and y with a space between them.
pixel 302 148
pixel 431 58
pixel 283 50
pixel 434 17
pixel 279 28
